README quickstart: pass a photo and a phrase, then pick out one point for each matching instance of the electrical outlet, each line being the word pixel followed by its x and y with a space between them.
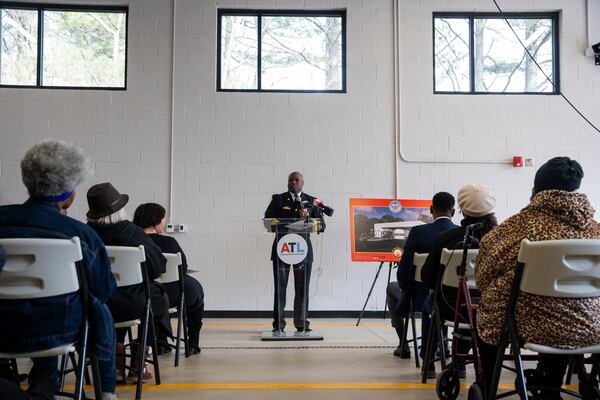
pixel 170 228
pixel 529 162
pixel 182 228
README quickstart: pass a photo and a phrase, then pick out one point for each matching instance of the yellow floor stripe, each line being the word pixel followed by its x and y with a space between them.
pixel 295 386
pixel 268 324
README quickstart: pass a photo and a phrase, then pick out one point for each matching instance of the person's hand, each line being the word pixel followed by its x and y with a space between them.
pixel 303 213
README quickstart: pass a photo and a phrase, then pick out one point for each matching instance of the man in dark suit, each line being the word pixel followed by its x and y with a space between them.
pixel 419 240
pixel 291 204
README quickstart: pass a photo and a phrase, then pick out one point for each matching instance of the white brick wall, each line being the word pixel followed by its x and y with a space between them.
pixel 494 128
pixel 233 150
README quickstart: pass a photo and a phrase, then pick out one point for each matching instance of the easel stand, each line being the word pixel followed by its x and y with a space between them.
pixel 371 291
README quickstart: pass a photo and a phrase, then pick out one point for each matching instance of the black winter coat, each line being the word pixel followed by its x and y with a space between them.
pixel 128 302
pixel 126 233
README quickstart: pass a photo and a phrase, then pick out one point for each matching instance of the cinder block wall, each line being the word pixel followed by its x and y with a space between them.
pixel 233 150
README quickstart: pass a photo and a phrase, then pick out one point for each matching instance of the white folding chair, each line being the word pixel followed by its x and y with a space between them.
pixel 452 259
pixel 418 261
pixel 174 273
pixel 128 268
pixel 568 269
pixel 41 268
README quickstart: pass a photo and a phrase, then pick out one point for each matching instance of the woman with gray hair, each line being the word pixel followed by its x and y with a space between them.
pixel 108 218
pixel 52 170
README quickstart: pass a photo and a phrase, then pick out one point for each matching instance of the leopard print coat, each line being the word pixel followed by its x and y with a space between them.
pixel 565 323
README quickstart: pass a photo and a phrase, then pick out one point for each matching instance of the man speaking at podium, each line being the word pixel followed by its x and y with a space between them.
pixel 292 204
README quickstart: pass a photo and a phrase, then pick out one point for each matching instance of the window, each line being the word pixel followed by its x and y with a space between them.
pixel 478 53
pixel 63 46
pixel 281 51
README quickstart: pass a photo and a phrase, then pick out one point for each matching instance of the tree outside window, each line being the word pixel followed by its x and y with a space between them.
pixel 80 48
pixel 259 51
pixel 481 54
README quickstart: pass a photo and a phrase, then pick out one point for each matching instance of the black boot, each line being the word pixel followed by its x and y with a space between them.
pixel 405 352
pixel 194 339
pixel 194 327
pixel 162 345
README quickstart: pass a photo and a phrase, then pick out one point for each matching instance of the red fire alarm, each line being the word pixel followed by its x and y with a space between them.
pixel 517 161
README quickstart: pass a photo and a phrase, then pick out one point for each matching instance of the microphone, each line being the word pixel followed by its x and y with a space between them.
pixel 326 210
pixel 306 204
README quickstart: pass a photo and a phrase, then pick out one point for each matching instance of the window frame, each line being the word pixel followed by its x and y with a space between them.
pixel 471 16
pixel 40 8
pixel 260 13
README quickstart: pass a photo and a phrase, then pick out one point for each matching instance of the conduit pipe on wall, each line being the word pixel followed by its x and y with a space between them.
pixel 172 139
pixel 400 155
pixel 588 51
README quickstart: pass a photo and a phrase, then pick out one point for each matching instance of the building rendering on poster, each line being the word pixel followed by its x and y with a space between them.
pixel 379 227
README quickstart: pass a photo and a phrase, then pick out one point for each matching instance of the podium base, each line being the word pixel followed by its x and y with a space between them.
pixel 289 336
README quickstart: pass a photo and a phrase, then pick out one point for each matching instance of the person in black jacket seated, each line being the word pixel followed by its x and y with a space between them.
pixel 108 218
pixel 419 240
pixel 289 205
pixel 476 203
pixel 151 218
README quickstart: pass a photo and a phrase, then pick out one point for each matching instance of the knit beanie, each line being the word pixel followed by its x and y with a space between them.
pixel 476 200
pixel 560 173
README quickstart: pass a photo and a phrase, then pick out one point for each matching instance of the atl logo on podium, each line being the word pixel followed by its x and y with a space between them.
pixel 292 249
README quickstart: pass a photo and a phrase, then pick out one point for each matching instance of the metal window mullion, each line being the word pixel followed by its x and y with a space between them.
pixel 40 48
pixel 343 60
pixel 472 54
pixel 1 13
pixel 555 55
pixel 259 52
pixel 219 51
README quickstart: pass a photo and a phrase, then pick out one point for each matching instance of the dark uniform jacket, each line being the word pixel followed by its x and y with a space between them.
pixel 282 206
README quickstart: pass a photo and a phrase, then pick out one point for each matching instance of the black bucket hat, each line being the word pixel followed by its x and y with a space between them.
pixel 104 200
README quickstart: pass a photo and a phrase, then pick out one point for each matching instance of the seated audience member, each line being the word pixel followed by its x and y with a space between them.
pixel 51 171
pixel 107 216
pixel 10 390
pixel 419 240
pixel 556 211
pixel 151 218
pixel 476 202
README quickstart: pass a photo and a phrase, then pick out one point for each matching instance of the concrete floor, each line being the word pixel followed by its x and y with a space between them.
pixel 350 363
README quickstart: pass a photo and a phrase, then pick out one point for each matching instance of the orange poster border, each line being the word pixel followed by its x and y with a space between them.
pixel 378 256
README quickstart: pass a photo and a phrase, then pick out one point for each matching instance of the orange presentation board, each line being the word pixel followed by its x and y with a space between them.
pixel 379 227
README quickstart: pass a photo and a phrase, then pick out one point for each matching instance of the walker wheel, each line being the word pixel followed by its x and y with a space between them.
pixel 583 389
pixel 534 379
pixel 447 386
pixel 475 392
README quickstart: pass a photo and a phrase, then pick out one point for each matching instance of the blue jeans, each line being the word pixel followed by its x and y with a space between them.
pixel 48 367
